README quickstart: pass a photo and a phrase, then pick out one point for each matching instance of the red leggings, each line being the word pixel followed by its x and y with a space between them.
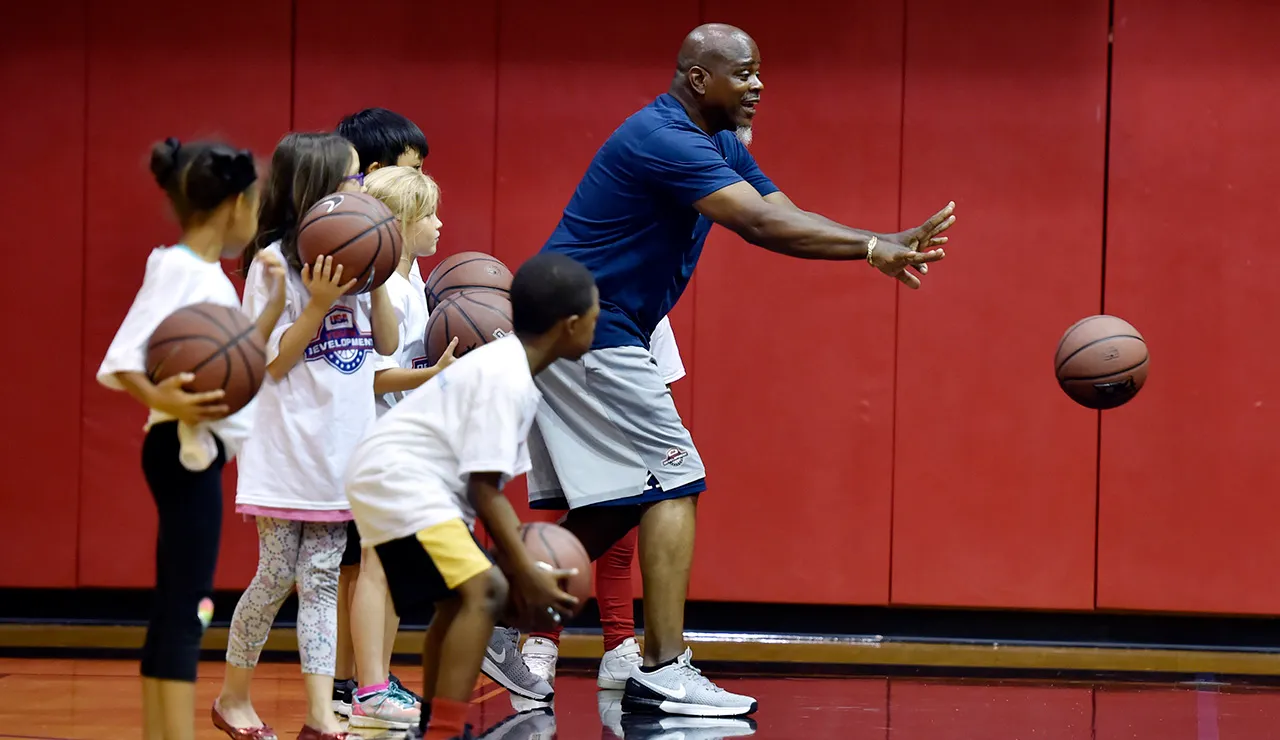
pixel 613 592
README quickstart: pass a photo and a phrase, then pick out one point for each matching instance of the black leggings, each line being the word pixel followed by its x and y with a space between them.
pixel 190 510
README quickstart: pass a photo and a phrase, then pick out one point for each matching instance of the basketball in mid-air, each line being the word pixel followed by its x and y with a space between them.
pixel 1101 362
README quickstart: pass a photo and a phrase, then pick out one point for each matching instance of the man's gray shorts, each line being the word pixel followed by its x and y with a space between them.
pixel 606 424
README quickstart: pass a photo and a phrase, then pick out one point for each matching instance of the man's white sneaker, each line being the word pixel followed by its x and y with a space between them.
pixel 615 666
pixel 681 689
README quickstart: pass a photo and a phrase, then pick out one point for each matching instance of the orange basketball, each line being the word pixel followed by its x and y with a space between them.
pixel 1101 362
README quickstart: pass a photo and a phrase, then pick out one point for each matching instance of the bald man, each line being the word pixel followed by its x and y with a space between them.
pixel 638 221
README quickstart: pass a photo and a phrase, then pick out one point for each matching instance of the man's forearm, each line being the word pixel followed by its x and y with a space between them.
pixel 826 220
pixel 797 233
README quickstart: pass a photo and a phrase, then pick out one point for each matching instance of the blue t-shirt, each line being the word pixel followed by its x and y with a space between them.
pixel 631 220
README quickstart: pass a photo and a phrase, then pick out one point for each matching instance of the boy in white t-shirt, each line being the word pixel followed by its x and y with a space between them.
pixel 439 458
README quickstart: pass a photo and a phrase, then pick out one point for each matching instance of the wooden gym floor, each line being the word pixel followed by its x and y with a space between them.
pixel 1169 695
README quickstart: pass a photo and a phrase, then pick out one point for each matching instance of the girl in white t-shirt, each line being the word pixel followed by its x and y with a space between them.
pixel 413 197
pixel 314 406
pixel 189 438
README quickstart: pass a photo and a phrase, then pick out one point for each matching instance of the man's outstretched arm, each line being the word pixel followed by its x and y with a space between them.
pixel 780 226
pixel 780 198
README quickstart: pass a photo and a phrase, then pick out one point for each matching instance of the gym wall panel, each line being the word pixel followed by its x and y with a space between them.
pixel 563 87
pixel 42 84
pixel 441 74
pixel 149 79
pixel 918 709
pixel 995 469
pixel 794 381
pixel 1188 471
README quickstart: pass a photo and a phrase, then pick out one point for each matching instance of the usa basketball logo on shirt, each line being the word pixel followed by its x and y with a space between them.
pixel 339 341
pixel 419 363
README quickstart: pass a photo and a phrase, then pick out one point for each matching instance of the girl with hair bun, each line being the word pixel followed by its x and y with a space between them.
pixel 212 188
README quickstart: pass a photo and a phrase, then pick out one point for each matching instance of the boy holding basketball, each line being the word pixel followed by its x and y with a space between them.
pixel 439 458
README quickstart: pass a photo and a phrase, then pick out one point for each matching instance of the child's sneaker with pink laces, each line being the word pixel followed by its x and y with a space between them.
pixel 383 707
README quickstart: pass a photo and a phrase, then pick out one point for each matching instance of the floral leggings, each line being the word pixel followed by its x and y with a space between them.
pixel 307 554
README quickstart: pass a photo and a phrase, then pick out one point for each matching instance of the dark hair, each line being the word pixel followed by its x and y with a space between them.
pixel 304 168
pixel 548 288
pixel 199 176
pixel 381 136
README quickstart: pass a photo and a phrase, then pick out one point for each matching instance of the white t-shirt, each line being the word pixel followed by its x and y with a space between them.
pixel 175 277
pixel 410 471
pixel 662 344
pixel 409 298
pixel 309 420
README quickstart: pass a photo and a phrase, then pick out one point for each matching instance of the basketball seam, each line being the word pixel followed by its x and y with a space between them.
pixel 1087 345
pixel 1072 329
pixel 546 545
pixel 472 324
pixel 1131 368
pixel 373 227
pixel 222 351
pixel 483 305
pixel 195 309
pixel 231 340
pixel 433 280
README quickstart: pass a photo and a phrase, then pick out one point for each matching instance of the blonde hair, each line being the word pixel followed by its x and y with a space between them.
pixel 410 193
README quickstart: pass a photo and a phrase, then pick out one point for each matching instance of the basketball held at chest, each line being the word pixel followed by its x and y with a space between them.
pixel 1101 362
pixel 218 344
pixel 475 317
pixel 466 271
pixel 360 233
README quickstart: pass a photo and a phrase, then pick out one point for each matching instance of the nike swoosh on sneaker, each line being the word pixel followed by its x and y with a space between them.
pixel 497 657
pixel 664 691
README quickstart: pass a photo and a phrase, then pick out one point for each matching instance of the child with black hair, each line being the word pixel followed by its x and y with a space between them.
pixel 189 437
pixel 382 138
pixel 315 404
pixel 440 457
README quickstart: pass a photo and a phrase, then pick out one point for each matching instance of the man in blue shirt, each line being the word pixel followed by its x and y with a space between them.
pixel 638 220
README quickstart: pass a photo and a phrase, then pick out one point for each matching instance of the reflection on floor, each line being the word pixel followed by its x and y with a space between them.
pixel 81 699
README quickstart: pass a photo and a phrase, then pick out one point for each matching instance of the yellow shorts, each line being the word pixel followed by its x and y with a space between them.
pixel 428 566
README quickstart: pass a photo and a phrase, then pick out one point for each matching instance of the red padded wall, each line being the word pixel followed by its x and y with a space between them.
pixel 147 80
pixel 794 388
pixel 42 83
pixel 978 486
pixel 1188 468
pixel 994 487
pixel 560 95
pixel 440 74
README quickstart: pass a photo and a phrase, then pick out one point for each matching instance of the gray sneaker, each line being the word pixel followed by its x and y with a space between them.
pixel 503 664
pixel 681 689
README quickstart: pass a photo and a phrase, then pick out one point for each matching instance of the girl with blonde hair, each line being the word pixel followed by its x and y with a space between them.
pixel 379 701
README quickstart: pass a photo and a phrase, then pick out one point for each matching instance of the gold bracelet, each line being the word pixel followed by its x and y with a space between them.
pixel 871 247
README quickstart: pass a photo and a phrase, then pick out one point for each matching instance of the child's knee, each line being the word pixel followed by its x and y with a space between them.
pixel 487 591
